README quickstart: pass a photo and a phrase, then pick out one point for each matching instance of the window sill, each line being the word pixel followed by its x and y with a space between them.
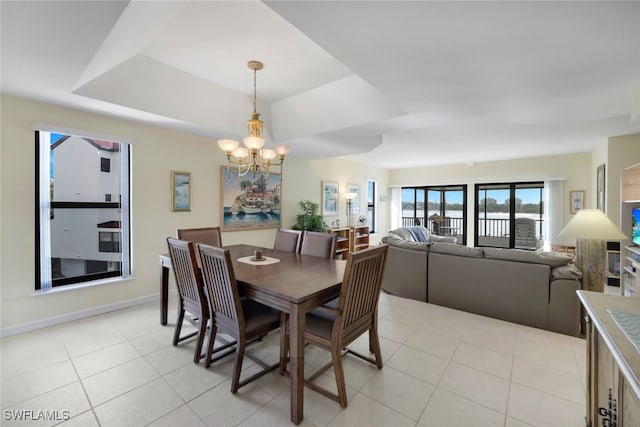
pixel 76 286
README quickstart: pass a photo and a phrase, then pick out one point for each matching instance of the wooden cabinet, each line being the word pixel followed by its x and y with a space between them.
pixel 613 362
pixel 343 240
pixel 360 238
pixel 350 239
pixel 631 184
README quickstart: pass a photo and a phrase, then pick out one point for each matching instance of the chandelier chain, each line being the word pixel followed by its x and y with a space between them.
pixel 254 91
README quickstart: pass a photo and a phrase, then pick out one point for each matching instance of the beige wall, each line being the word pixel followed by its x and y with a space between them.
pixel 622 151
pixel 574 169
pixel 155 152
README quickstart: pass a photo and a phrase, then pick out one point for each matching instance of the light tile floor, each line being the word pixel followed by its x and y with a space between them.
pixel 442 368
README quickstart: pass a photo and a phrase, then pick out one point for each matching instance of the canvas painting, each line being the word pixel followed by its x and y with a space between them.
pixel 355 203
pixel 329 198
pixel 250 202
pixel 181 191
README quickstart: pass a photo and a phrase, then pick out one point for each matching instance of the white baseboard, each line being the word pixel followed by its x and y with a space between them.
pixel 63 318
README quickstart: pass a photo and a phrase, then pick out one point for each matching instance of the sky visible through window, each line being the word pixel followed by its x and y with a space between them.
pixel 53 139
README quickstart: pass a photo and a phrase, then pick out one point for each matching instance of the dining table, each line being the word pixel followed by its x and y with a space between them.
pixel 295 284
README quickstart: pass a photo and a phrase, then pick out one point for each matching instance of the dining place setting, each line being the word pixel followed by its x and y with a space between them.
pixel 236 295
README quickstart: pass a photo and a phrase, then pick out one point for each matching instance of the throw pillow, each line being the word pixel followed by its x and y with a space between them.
pixel 568 271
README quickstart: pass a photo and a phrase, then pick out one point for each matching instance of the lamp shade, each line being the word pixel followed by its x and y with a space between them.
pixel 592 224
pixel 350 196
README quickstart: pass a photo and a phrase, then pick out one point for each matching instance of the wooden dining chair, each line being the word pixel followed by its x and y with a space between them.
pixel 318 244
pixel 287 240
pixel 356 313
pixel 243 319
pixel 207 235
pixel 193 300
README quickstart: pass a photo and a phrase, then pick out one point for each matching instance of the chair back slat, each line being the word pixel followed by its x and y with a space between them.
pixel 361 289
pixel 287 241
pixel 188 278
pixel 221 285
pixel 207 235
pixel 318 244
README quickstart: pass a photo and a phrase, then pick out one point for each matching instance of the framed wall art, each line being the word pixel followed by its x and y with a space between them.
pixel 180 191
pixel 329 198
pixel 250 202
pixel 355 203
pixel 600 189
pixel 576 200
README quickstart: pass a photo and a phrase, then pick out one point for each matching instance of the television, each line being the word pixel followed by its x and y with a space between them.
pixel 635 226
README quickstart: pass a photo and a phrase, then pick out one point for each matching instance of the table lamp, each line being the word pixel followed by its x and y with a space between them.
pixel 592 229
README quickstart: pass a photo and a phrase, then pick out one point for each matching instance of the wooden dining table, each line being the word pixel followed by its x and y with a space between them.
pixel 295 285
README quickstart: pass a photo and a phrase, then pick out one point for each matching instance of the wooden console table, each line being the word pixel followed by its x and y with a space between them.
pixel 613 361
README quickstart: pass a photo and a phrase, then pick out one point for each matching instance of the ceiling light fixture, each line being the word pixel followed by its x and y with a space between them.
pixel 252 157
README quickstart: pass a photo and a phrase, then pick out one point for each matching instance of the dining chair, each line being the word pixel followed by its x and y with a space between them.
pixel 207 235
pixel 192 298
pixel 318 244
pixel 356 313
pixel 243 319
pixel 287 240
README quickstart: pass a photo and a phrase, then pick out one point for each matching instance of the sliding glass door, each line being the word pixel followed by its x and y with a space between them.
pixel 441 209
pixel 509 215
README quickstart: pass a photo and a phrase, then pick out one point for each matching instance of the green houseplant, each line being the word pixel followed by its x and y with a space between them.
pixel 309 219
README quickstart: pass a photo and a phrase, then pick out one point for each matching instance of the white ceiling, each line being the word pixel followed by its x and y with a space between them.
pixel 392 84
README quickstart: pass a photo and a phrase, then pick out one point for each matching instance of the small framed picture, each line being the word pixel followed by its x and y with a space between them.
pixel 576 200
pixel 329 198
pixel 180 191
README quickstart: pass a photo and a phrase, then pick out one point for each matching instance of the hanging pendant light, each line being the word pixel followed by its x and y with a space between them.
pixel 253 157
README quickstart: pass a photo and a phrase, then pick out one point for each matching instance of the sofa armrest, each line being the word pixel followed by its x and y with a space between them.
pixel 405 273
pixel 564 306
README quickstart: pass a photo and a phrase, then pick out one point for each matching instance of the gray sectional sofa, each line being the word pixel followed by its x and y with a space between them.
pixel 530 288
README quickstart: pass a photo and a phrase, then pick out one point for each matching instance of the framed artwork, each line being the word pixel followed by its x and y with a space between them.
pixel 355 203
pixel 600 190
pixel 180 191
pixel 249 202
pixel 329 198
pixel 576 200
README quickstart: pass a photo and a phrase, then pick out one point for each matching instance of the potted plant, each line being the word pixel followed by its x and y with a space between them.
pixel 309 219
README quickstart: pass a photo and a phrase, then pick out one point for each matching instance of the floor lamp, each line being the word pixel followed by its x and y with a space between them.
pixel 592 229
pixel 349 197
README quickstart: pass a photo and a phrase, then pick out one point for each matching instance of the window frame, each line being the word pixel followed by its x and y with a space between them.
pixel 512 187
pixel 45 210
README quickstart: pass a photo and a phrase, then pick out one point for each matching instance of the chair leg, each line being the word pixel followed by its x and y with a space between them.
pixel 212 341
pixel 202 331
pixel 374 345
pixel 284 343
pixel 237 366
pixel 176 333
pixel 336 356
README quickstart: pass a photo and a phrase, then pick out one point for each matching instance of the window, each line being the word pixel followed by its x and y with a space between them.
pixel 105 164
pixel 82 234
pixel 371 205
pixel 441 209
pixel 510 215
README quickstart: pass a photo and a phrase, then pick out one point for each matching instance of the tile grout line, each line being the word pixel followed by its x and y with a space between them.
pixel 86 395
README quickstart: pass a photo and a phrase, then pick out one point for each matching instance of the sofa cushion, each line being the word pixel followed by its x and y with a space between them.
pixel 413 234
pixel 552 259
pixel 568 271
pixel 455 249
pixel 395 240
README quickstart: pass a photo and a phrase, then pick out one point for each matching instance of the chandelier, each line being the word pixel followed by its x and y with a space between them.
pixel 252 157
